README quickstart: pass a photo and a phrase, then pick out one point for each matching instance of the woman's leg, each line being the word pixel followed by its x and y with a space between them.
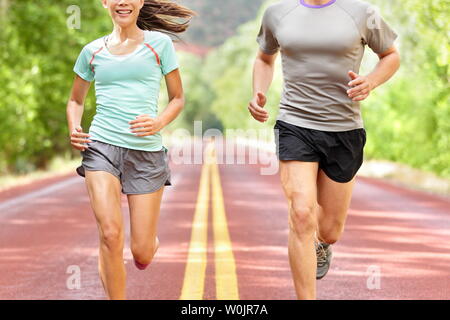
pixel 105 194
pixel 334 201
pixel 144 215
pixel 299 183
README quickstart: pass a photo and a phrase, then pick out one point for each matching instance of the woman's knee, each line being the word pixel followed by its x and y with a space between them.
pixel 144 253
pixel 112 237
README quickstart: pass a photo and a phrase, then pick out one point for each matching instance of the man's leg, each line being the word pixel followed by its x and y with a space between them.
pixel 299 183
pixel 334 201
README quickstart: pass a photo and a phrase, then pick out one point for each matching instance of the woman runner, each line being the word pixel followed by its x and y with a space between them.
pixel 123 150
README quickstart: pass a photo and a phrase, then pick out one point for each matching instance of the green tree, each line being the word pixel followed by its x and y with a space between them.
pixel 37 53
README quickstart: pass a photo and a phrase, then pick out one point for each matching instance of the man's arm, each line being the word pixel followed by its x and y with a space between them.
pixel 263 71
pixel 384 70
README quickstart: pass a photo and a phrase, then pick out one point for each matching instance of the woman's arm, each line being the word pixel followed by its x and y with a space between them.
pixel 176 98
pixel 263 70
pixel 384 70
pixel 74 112
pixel 150 126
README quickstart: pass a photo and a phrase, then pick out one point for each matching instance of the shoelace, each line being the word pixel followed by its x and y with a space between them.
pixel 321 255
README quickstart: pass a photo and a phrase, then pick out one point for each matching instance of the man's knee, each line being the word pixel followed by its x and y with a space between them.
pixel 302 217
pixel 330 231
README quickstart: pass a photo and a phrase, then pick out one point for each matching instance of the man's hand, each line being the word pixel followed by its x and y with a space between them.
pixel 144 125
pixel 78 138
pixel 256 107
pixel 361 87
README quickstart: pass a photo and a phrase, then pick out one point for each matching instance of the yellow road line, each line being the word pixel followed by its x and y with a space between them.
pixel 225 265
pixel 194 276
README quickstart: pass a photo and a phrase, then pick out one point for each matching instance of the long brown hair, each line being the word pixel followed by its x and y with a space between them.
pixel 165 16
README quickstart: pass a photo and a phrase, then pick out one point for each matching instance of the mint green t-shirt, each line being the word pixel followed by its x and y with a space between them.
pixel 126 86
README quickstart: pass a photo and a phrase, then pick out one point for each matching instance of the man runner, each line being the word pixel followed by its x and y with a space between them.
pixel 321 132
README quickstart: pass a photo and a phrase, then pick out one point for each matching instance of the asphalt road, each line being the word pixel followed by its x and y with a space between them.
pixel 223 232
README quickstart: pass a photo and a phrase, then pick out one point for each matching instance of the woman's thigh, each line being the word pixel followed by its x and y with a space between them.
pixel 144 215
pixel 104 191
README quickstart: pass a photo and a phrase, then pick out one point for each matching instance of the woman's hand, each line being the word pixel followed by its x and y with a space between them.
pixel 144 125
pixel 78 137
pixel 361 87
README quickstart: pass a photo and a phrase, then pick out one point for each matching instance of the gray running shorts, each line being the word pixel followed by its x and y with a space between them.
pixel 139 171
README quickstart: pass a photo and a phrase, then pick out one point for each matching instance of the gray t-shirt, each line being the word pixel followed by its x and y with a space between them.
pixel 319 45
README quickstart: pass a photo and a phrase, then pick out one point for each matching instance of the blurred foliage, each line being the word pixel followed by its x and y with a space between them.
pixel 37 53
pixel 407 119
pixel 218 20
pixel 199 94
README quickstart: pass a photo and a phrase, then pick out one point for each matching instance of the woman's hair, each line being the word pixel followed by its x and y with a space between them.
pixel 165 16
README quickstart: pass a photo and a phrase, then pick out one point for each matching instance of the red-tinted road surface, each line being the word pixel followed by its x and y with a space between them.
pixel 396 243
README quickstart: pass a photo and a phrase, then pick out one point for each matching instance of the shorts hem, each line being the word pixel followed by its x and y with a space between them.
pixel 335 179
pixel 297 159
pixel 81 171
pixel 146 192
pixel 166 183
pixel 137 193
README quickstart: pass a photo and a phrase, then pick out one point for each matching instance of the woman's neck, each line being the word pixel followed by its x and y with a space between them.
pixel 124 33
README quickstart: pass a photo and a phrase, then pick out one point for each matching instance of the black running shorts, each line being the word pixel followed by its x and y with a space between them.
pixel 339 154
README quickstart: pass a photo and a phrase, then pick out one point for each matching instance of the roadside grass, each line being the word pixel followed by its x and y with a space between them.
pixel 58 166
pixel 396 173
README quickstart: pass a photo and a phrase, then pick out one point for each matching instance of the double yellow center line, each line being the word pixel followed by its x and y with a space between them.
pixel 225 266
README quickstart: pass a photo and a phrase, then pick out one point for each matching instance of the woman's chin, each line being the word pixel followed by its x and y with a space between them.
pixel 123 23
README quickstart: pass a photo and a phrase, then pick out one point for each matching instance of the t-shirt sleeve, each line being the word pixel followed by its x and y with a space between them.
pixel 379 36
pixel 82 66
pixel 169 61
pixel 266 38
